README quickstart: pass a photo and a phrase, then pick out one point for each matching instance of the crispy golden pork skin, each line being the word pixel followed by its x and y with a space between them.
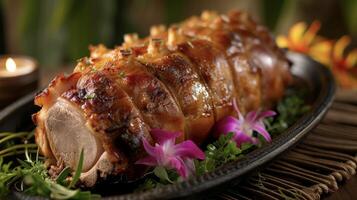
pixel 183 78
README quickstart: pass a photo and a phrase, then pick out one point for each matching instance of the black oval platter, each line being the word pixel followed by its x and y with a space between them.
pixel 318 79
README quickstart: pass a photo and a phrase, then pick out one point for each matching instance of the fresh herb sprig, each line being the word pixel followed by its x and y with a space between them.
pixel 221 151
pixel 289 109
pixel 31 176
pixel 12 144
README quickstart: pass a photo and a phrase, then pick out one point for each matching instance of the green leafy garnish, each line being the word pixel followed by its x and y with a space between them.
pixel 161 172
pixel 63 175
pixel 148 184
pixel 289 110
pixel 31 176
pixel 77 174
pixel 89 96
pixel 222 151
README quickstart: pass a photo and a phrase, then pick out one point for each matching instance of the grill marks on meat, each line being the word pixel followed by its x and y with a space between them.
pixel 183 79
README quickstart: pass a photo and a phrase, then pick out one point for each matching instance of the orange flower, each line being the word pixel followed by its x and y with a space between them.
pixel 304 40
pixel 344 67
pixel 345 80
pixel 340 61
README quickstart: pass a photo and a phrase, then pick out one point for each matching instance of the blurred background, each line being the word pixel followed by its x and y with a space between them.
pixel 58 32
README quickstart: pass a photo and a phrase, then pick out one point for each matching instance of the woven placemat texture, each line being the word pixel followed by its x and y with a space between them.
pixel 325 159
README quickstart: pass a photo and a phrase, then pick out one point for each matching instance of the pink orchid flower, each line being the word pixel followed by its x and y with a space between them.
pixel 243 127
pixel 169 155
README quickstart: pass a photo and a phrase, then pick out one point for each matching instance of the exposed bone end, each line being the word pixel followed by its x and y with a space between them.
pixel 174 36
pixel 131 38
pixel 155 47
pixel 68 135
pixel 208 15
pixel 157 30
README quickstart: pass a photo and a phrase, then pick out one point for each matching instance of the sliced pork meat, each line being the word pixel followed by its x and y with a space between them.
pixel 183 79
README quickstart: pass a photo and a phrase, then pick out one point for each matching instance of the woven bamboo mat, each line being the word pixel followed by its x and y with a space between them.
pixel 323 161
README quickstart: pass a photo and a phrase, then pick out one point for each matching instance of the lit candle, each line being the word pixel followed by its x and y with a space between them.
pixel 18 77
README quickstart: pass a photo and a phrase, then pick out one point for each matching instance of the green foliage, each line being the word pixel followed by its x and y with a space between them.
pixel 6 176
pixel 161 176
pixel 271 12
pixel 350 13
pixel 34 177
pixel 12 144
pixel 78 171
pixel 56 30
pixel 173 10
pixel 148 184
pixel 61 178
pixel 289 110
pixel 161 173
pixel 222 151
pixel 31 176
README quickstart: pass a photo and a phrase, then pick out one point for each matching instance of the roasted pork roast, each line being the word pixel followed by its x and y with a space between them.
pixel 183 78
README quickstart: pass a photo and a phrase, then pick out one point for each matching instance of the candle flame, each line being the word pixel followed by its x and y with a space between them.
pixel 10 65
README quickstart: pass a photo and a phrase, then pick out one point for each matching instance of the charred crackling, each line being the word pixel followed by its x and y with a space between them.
pixel 158 107
pixel 130 39
pixel 177 72
pixel 112 114
pixel 125 52
pixel 156 47
pixel 215 73
pixel 157 31
pixel 174 37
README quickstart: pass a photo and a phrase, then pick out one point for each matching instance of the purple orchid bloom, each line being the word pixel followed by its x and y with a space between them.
pixel 169 155
pixel 243 127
